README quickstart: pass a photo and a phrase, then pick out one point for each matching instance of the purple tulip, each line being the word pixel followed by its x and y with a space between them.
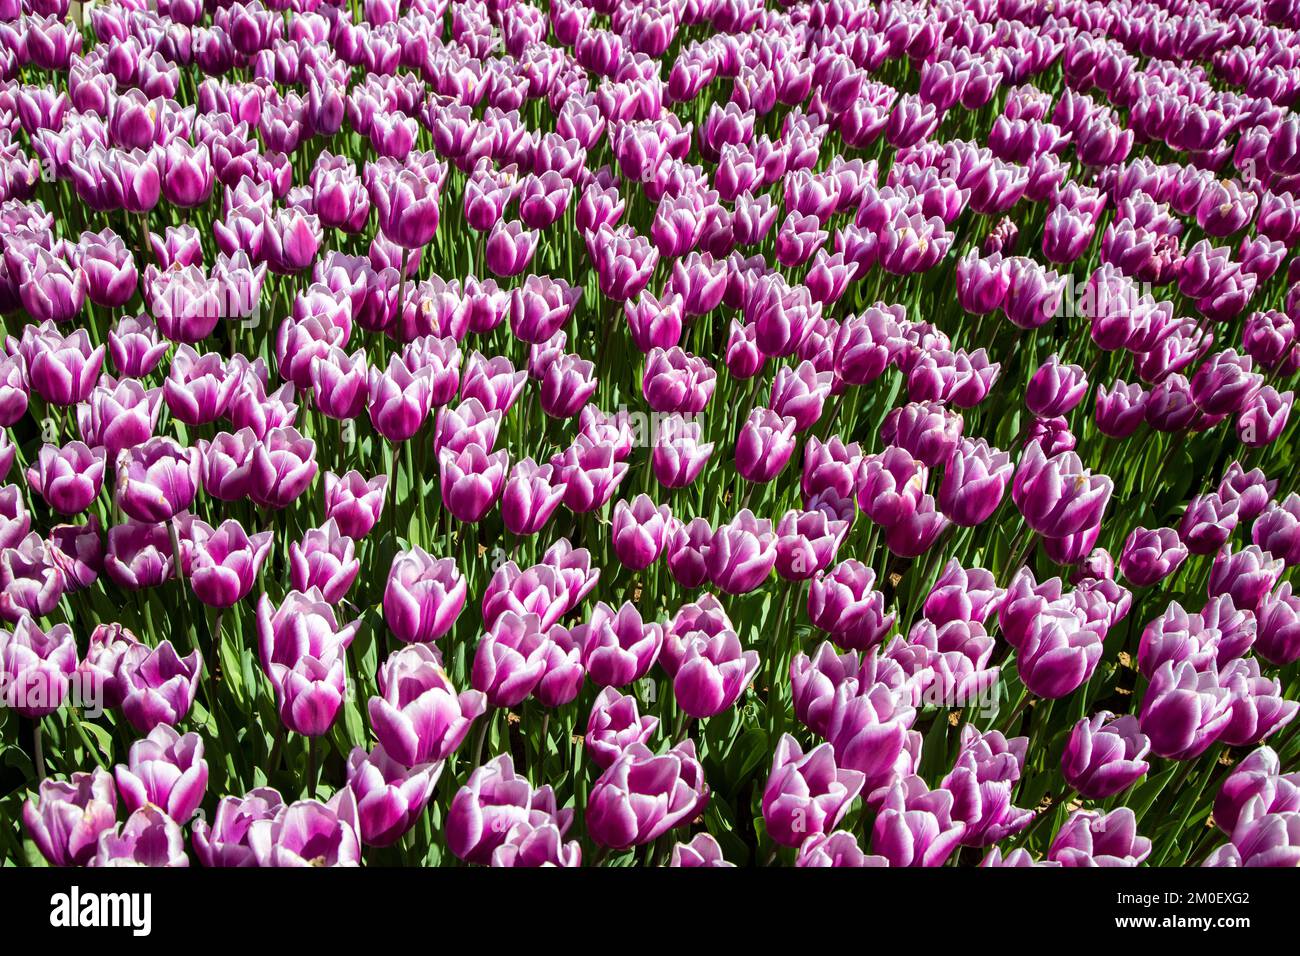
pixel 66 818
pixel 701 851
pixel 224 562
pixel 353 502
pixel 1089 838
pixel 148 838
pixel 915 825
pixel 36 667
pixel 974 481
pixel 806 543
pixel 1278 626
pixel 1207 522
pixel 1257 780
pixel 400 399
pixel 157 479
pixel 68 478
pixel 615 724
pixel 642 796
pixel 1104 755
pixel 308 833
pixel 423 597
pixel 567 384
pixel 639 532
pixel 418 716
pixel 1184 710
pixel 1058 654
pixel 1150 556
pixel 869 730
pixel 165 770
pixel 159 687
pixel 301 647
pixel 1256 704
pixel 493 807
pixel 806 794
pixel 617 647
pixel 390 797
pixel 1055 389
pixel 283 466
pixel 703 656
pixel 119 415
pixel 471 481
pixel 1057 495
pixel 61 370
pixel 325 559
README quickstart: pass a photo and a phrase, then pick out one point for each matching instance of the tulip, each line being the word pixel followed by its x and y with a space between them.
pixel 493 806
pixel 701 851
pixel 1278 626
pixel 764 445
pixel 399 399
pixel 617 647
pixel 301 648
pixel 800 393
pixel 159 687
pixel 614 725
pixel 31 582
pixel 326 560
pixel 679 456
pixel 225 842
pixel 1150 556
pixel 165 770
pixel 510 659
pixel 1256 704
pixel 66 818
pixel 703 656
pixel 148 838
pixel 806 543
pixel 353 502
pixel 390 797
pixel 157 479
pixel 68 478
pixel 1090 838
pixel 283 466
pixel 15 520
pixel 1184 710
pixel 1207 522
pixel 639 532
pixel 423 597
pixel 869 731
pixel 309 833
pixel 974 481
pixel 915 826
pixel 741 554
pixel 224 562
pixel 836 849
pixel 530 496
pixel 60 370
pixel 1058 654
pixel 1257 780
pixel 1268 839
pixel 1104 755
pixel 1055 389
pixel 36 667
pixel 199 388
pixel 642 796
pixel 1057 495
pixel 567 385
pixel 418 716
pixel 806 794
pixel 591 474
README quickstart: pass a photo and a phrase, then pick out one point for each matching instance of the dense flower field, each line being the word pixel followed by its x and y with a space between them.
pixel 649 432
